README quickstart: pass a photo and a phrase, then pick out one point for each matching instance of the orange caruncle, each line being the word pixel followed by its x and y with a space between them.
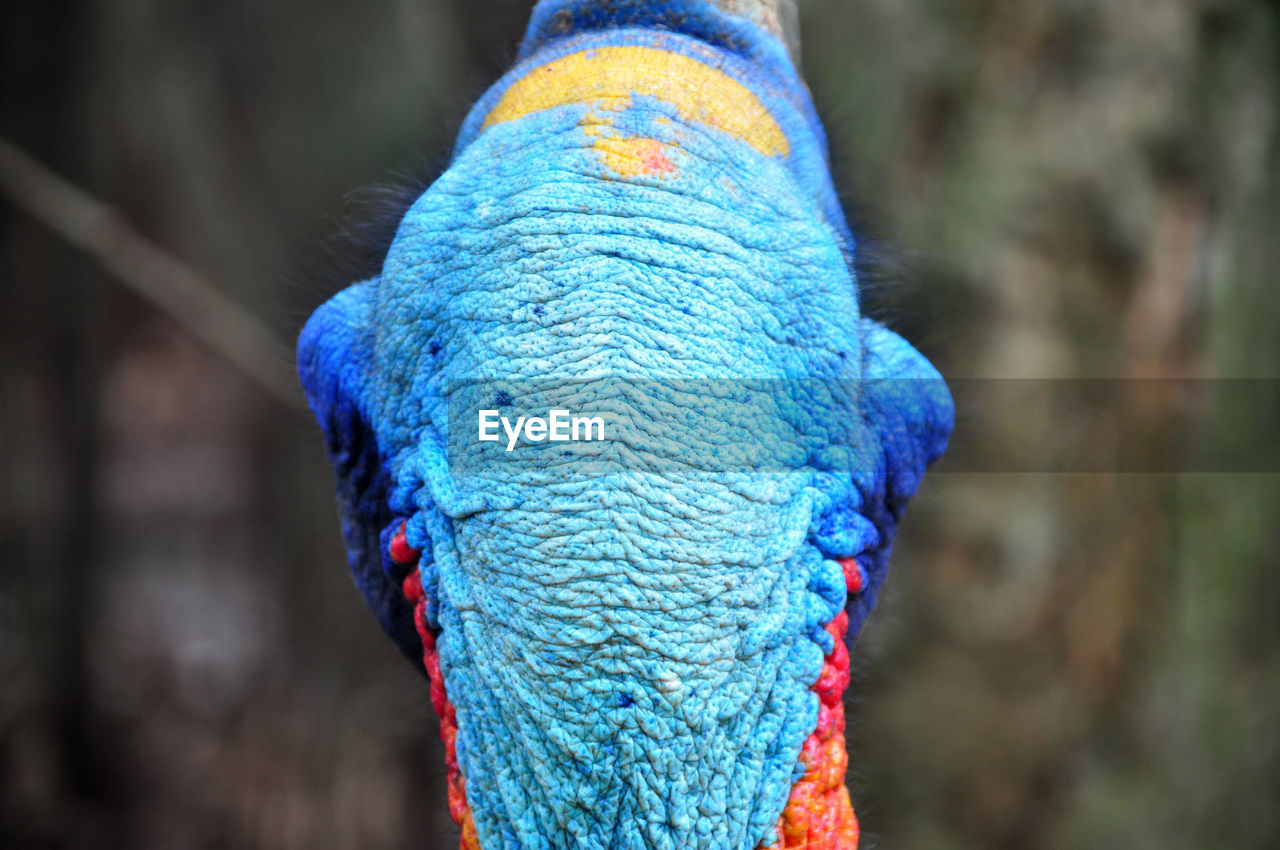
pixel 819 814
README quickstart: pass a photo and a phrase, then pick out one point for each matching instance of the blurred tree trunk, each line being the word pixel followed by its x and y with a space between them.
pixel 52 337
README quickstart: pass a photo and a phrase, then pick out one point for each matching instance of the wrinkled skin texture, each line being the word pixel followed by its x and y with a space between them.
pixel 630 652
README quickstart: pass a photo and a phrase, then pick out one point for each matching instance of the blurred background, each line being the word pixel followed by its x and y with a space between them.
pixel 1068 189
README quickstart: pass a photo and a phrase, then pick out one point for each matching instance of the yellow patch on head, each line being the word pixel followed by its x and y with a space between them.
pixel 611 76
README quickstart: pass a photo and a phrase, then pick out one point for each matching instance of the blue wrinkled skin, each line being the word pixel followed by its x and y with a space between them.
pixel 630 654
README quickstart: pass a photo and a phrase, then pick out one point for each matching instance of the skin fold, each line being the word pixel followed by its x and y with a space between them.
pixel 637 643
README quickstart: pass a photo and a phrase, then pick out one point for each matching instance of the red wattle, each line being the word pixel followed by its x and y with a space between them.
pixel 819 814
pixel 402 553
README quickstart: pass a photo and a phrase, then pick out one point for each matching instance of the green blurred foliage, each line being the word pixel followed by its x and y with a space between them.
pixel 1086 190
pixel 1049 188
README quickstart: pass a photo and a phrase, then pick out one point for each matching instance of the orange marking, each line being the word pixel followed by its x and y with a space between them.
pixel 632 156
pixel 629 156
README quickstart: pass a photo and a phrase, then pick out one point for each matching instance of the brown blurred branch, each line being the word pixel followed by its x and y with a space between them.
pixel 156 275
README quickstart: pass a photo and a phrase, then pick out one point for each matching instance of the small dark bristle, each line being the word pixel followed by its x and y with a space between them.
pixel 905 289
pixel 359 245
pixel 357 242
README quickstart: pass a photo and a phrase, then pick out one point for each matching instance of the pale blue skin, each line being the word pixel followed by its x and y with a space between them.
pixel 630 652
